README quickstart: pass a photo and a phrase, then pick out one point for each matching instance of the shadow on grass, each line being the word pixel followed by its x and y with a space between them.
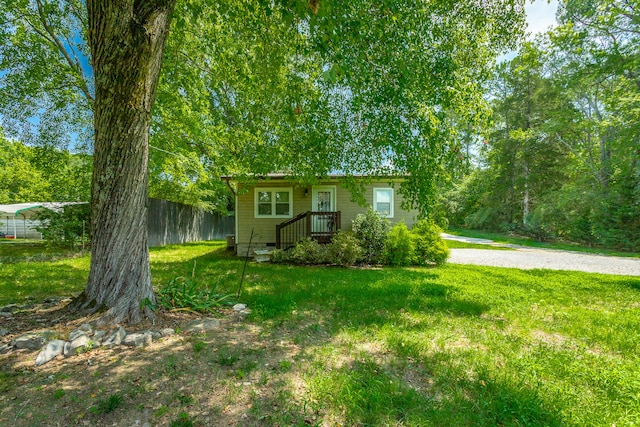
pixel 632 283
pixel 39 281
pixel 365 393
pixel 357 297
pixel 260 376
pixel 230 378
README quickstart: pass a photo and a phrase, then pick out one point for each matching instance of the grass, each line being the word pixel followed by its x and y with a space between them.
pixel 37 280
pixel 525 241
pixel 12 251
pixel 462 345
pixel 453 345
pixel 454 244
pixel 110 404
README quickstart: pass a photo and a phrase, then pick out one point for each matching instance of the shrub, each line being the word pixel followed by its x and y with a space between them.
pixel 344 249
pixel 308 251
pixel 66 228
pixel 398 246
pixel 371 229
pixel 429 247
pixel 278 256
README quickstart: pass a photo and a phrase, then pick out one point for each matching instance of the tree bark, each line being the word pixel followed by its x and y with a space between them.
pixel 525 198
pixel 127 39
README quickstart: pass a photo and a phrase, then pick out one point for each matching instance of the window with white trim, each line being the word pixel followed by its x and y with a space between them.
pixel 273 202
pixel 383 201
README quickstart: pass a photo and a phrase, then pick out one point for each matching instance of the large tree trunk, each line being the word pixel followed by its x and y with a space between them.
pixel 127 39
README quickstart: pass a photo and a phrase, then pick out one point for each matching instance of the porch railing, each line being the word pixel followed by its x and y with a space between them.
pixel 320 226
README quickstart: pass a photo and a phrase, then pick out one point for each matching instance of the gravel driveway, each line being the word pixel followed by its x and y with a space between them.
pixel 528 258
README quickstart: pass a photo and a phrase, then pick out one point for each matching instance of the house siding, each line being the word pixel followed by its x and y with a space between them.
pixel 264 229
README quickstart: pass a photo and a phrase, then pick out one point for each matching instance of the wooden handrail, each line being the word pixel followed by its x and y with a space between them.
pixel 294 219
pixel 294 233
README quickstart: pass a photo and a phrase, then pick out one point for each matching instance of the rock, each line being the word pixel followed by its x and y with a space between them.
pixel 5 348
pixel 3 332
pixel 156 335
pixel 167 332
pixel 81 343
pixel 33 340
pixel 239 307
pixel 137 339
pixel 76 334
pixel 7 314
pixel 51 350
pixel 114 337
pixel 84 329
pixel 98 336
pixel 201 325
pixel 11 308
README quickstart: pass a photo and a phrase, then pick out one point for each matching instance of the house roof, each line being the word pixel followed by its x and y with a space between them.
pixel 329 176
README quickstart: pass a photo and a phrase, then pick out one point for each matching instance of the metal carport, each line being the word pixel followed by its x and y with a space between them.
pixel 26 211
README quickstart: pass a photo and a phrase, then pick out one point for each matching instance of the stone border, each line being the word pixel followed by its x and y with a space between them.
pixel 86 337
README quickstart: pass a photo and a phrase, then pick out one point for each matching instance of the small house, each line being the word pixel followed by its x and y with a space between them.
pixel 281 213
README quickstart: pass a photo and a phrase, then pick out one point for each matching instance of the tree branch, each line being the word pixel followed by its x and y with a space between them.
pixel 75 65
pixel 594 171
pixel 41 33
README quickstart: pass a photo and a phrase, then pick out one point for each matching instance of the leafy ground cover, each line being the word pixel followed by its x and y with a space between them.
pixel 453 345
pixel 525 241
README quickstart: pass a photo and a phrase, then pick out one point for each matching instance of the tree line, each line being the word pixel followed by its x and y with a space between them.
pixel 561 158
pixel 36 173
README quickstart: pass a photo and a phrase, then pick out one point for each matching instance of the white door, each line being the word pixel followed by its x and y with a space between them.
pixel 323 200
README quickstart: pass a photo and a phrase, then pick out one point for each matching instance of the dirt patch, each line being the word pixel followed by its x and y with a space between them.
pixel 238 374
pixel 555 340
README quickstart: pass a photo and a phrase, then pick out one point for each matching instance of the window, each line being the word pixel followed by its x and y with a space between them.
pixel 273 202
pixel 383 201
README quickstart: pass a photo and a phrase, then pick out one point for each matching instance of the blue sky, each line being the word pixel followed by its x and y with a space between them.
pixel 541 15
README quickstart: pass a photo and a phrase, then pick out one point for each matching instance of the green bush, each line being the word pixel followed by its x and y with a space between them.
pixel 69 227
pixel 399 246
pixel 371 229
pixel 308 252
pixel 278 256
pixel 344 249
pixel 429 247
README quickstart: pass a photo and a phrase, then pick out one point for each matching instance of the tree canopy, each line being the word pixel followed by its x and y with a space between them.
pixel 256 87
pixel 249 88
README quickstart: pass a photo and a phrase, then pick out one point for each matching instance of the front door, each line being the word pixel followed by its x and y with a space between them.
pixel 323 200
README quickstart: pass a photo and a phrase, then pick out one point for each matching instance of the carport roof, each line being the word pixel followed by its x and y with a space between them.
pixel 28 210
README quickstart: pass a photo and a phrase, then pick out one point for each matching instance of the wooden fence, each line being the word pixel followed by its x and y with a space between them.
pixel 171 222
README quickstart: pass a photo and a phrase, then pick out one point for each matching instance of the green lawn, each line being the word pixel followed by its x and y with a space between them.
pixel 21 250
pixel 525 241
pixel 449 346
pixel 454 244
